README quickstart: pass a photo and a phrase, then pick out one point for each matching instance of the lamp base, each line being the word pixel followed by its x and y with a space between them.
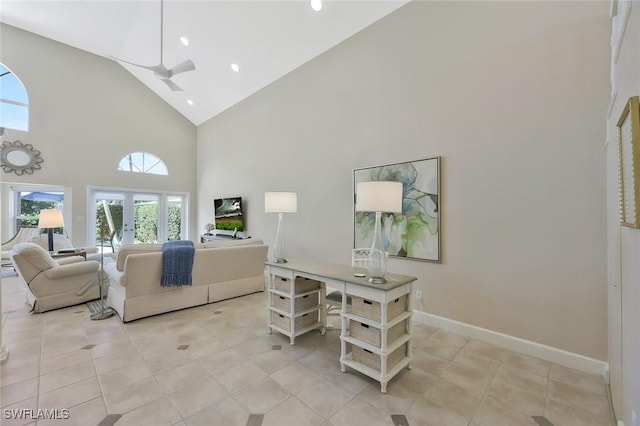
pixel 280 261
pixel 103 314
pixel 377 280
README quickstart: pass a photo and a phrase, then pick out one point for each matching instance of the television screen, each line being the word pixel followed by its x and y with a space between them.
pixel 228 214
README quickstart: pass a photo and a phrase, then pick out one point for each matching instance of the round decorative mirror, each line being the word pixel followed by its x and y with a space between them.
pixel 19 158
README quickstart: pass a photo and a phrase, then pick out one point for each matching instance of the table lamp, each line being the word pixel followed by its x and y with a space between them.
pixel 378 197
pixel 280 202
pixel 49 219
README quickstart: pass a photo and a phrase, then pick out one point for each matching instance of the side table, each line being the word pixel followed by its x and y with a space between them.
pixel 63 254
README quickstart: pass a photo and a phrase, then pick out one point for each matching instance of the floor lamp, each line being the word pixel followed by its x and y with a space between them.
pixel 280 202
pixel 105 311
pixel 50 219
pixel 378 197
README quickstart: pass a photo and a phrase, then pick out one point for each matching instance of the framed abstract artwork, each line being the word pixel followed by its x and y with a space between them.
pixel 628 162
pixel 414 233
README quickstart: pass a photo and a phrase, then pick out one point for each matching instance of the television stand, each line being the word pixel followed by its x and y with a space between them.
pixel 212 237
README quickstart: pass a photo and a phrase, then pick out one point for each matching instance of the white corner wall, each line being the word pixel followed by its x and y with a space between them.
pixel 512 95
pixel 86 113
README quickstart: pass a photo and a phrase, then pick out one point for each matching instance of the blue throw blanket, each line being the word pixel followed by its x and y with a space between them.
pixel 177 263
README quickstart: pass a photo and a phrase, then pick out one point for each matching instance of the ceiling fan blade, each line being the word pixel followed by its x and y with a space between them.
pixel 159 69
pixel 171 85
pixel 185 66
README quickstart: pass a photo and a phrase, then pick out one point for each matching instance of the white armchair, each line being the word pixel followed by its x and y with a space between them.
pixel 50 284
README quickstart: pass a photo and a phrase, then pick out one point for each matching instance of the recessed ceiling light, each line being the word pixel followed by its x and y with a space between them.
pixel 190 102
pixel 235 67
pixel 316 5
pixel 184 40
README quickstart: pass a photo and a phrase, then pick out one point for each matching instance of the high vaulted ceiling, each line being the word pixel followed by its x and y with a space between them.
pixel 267 39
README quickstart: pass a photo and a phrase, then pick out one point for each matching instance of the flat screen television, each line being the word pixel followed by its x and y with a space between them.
pixel 228 214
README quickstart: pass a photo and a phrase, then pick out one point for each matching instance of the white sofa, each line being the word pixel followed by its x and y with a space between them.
pixel 221 270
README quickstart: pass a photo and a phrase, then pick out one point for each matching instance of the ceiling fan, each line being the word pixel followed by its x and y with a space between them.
pixel 160 70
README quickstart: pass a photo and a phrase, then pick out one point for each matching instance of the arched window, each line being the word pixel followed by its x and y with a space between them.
pixel 143 162
pixel 14 102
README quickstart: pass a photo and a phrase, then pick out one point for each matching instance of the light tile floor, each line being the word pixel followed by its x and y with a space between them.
pixel 217 365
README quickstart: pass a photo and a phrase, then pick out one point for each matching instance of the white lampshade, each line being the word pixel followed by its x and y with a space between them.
pixel 379 196
pixel 280 202
pixel 50 218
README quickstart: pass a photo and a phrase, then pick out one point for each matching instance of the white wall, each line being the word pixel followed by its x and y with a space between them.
pixel 511 95
pixel 623 245
pixel 86 113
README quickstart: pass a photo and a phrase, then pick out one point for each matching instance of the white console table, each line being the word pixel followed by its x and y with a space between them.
pixel 380 338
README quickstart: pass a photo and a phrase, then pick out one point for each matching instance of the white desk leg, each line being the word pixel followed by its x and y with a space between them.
pixel 292 320
pixel 269 303
pixel 409 325
pixel 343 323
pixel 323 307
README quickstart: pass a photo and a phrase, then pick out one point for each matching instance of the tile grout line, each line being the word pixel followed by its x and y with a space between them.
pixel 486 391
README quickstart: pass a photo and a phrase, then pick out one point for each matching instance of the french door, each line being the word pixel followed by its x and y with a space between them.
pixel 137 217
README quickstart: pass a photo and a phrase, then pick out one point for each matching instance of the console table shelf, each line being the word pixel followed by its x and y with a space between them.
pixel 371 348
pixel 293 317
pixel 396 320
pixel 368 371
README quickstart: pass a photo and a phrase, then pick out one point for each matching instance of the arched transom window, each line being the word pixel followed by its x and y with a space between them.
pixel 143 162
pixel 14 102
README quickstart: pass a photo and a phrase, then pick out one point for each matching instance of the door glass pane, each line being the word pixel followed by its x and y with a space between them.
pixel 174 218
pixel 146 218
pixel 109 216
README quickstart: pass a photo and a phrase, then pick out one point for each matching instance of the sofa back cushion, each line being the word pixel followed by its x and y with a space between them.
pixel 229 263
pixel 128 249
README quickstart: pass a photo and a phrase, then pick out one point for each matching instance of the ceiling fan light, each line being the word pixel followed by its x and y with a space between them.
pixel 235 67
pixel 184 40
pixel 316 5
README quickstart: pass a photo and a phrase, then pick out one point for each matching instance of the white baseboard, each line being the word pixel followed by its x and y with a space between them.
pixel 548 353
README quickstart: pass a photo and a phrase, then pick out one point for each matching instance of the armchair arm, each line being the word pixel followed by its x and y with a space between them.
pixel 72 269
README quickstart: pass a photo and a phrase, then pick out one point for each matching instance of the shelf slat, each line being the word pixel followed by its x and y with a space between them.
pixel 377 324
pixel 375 374
pixel 390 348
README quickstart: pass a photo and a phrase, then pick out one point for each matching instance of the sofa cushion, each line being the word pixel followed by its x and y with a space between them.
pixel 115 275
pixel 127 249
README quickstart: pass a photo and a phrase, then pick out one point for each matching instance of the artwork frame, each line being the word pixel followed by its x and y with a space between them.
pixel 628 133
pixel 416 232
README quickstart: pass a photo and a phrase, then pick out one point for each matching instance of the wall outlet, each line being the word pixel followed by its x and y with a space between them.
pixel 418 295
pixel 634 419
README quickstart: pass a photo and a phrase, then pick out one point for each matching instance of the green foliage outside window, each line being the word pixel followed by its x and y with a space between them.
pixel 30 213
pixel 174 222
pixel 146 219
pixel 111 237
pixel 146 228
